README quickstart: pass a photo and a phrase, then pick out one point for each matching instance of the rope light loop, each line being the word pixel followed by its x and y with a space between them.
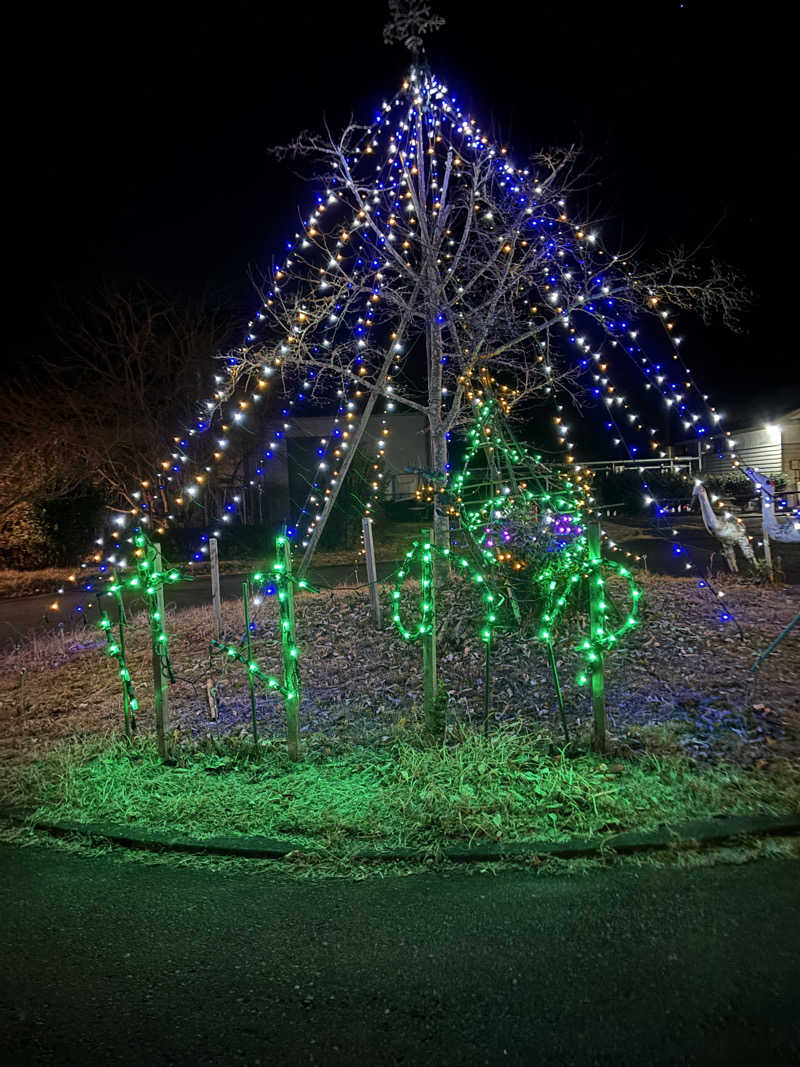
pixel 603 638
pixel 425 551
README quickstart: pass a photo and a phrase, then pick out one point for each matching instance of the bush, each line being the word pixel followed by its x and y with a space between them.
pixel 52 533
pixel 737 488
pixel 625 488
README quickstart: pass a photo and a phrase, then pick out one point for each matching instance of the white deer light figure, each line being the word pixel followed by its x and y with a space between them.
pixel 776 531
pixel 729 532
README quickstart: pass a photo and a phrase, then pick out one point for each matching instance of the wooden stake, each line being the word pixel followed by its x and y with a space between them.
pixel 250 678
pixel 372 571
pixel 213 556
pixel 596 621
pixel 431 725
pixel 160 697
pixel 291 677
pixel 211 696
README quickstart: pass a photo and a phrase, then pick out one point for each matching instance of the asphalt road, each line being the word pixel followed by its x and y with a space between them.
pixel 22 615
pixel 108 961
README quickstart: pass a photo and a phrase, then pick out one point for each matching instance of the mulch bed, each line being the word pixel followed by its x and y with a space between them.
pixel 681 681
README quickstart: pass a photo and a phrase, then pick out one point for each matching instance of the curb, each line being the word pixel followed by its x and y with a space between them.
pixel 696 832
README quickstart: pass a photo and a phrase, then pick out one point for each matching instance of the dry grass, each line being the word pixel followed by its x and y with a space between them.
pixel 49 580
pixel 682 684
pixel 390 544
pixel 686 738
pixel 391 541
pixel 28 583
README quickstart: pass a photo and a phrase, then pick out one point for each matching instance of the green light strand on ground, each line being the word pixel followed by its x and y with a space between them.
pixel 148 581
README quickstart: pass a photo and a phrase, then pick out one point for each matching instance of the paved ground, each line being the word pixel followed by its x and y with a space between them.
pixel 23 614
pixel 106 961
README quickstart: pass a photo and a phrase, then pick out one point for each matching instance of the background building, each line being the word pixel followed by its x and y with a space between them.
pixel 773 447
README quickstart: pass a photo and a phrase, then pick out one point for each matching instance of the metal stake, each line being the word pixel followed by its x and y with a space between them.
pixel 372 571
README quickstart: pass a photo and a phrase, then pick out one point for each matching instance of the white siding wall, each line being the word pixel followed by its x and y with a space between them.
pixel 754 448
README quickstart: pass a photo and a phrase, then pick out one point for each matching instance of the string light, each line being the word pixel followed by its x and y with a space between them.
pixel 360 239
pixel 424 552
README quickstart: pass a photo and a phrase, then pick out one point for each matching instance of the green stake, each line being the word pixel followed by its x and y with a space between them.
pixel 486 683
pixel 775 643
pixel 428 595
pixel 250 672
pixel 596 623
pixel 291 677
pixel 559 695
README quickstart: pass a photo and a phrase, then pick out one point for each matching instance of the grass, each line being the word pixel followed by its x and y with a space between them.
pixel 503 787
pixel 391 540
pixel 368 781
pixel 15 583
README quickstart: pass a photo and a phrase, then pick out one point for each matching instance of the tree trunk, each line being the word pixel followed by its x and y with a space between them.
pixel 438 435
pixel 441 520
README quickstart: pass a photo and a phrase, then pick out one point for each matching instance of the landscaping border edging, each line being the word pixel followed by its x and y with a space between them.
pixel 697 831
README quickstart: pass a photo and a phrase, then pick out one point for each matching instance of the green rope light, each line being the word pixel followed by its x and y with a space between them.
pixel 280 572
pixel 116 650
pixel 560 587
pixel 524 498
pixel 283 579
pixel 424 551
pixel 233 653
pixel 150 581
pixel 147 581
pixel 501 505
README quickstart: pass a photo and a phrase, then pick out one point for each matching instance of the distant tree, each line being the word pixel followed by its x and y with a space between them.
pixel 36 468
pixel 100 407
pixel 135 363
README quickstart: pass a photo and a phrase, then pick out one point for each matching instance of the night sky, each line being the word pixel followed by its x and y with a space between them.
pixel 141 137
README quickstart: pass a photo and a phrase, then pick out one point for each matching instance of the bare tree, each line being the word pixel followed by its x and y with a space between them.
pixel 429 256
pixel 32 473
pixel 130 367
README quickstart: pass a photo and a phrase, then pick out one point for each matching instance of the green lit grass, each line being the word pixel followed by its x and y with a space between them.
pixel 501 787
